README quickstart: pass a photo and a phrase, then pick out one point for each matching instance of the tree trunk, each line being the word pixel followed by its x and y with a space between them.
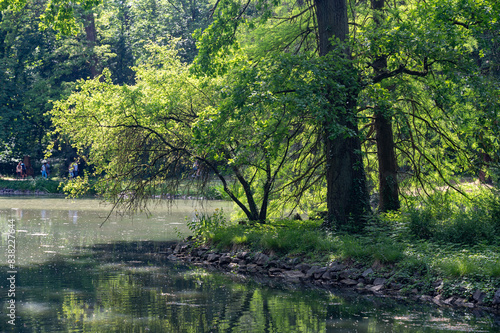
pixel 387 163
pixel 347 196
pixel 91 36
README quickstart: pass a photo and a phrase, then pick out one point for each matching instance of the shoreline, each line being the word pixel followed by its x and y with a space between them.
pixel 357 277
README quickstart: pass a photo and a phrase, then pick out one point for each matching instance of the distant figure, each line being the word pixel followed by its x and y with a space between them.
pixel 47 169
pixel 71 171
pixel 196 169
pixel 44 170
pixel 19 170
pixel 75 169
pixel 23 171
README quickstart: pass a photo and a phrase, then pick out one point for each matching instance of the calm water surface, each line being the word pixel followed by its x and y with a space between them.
pixel 75 276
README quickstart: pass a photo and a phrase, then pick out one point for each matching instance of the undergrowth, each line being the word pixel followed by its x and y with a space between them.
pixel 447 236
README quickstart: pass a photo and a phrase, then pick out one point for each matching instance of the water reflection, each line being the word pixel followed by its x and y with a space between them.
pixel 76 277
pixel 130 287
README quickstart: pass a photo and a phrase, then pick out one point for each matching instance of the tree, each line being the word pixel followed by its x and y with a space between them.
pixel 141 139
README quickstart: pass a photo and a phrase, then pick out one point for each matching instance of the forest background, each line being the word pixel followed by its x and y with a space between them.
pixel 332 109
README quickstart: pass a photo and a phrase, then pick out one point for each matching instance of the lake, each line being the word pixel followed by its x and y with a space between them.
pixel 79 269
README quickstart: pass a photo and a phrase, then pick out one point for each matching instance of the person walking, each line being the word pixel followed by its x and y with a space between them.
pixel 75 169
pixel 44 170
pixel 19 170
pixel 24 173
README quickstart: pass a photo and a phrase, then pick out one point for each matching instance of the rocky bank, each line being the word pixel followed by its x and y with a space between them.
pixel 376 279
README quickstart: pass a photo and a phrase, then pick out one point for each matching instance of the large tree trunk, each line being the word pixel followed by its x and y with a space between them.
pixel 387 163
pixel 347 196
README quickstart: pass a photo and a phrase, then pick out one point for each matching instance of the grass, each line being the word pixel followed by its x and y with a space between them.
pixel 37 184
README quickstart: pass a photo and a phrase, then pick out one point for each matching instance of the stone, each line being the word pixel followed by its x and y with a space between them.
pixel 233 266
pixel 349 282
pixel 496 297
pixel 376 289
pixel 252 268
pixel 336 267
pixel 449 301
pixel 379 281
pixel 310 273
pixel 224 260
pixel 319 273
pixel 303 267
pixel 275 271
pixel 367 272
pixel 330 275
pixel 294 275
pixel 238 261
pixel 261 259
pixel 213 257
pixel 242 255
pixel 172 257
pixel 425 298
pixel 437 300
pixel 478 296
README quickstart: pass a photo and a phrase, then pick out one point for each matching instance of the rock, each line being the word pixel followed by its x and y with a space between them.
pixel 242 255
pixel 336 267
pixel 303 267
pixel 437 300
pixel 330 275
pixel 172 257
pixel 379 281
pixel 319 273
pixel 273 263
pixel 294 276
pixel 349 282
pixel 238 261
pixel 375 289
pixel 261 259
pixel 213 257
pixel 233 266
pixel 179 247
pixel 478 296
pixel 275 271
pixel 449 301
pixel 367 272
pixel 425 298
pixel 496 297
pixel 252 268
pixel 396 286
pixel 310 273
pixel 225 260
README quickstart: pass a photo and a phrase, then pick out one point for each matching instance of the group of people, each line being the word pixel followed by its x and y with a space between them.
pixel 21 170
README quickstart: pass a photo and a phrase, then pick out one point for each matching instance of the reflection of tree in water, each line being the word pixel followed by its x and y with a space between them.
pixel 128 287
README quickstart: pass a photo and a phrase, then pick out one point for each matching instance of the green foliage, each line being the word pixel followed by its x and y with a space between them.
pixel 36 184
pixel 205 225
pixel 456 219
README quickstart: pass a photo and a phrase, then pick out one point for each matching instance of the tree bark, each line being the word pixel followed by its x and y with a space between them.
pixel 387 163
pixel 91 37
pixel 347 195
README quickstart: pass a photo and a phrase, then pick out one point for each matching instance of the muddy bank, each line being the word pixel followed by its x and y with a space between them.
pixel 377 280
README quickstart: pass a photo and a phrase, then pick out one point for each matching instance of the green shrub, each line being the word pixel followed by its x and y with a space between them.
pixel 205 225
